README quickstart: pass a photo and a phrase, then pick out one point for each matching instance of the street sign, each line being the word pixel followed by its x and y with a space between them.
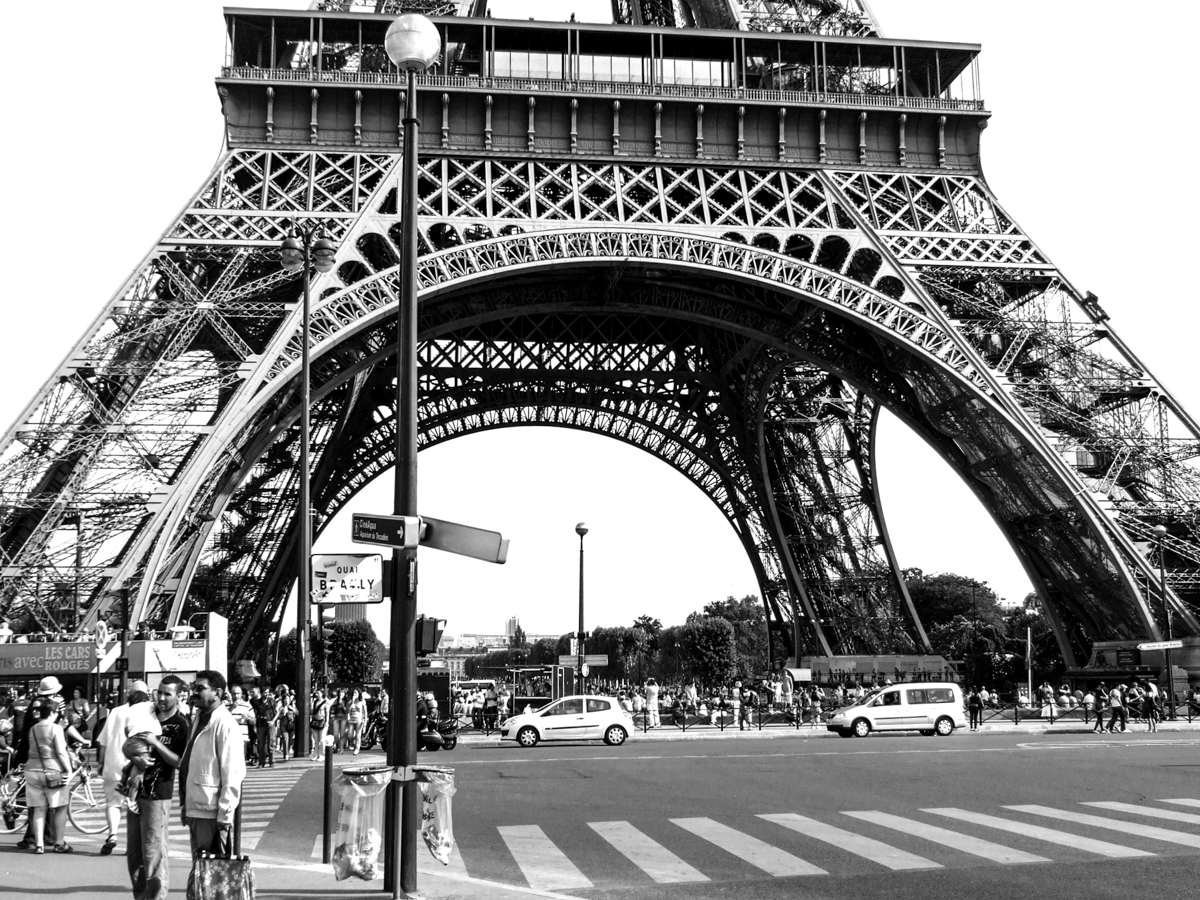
pixel 121 664
pixel 387 531
pixel 584 670
pixel 465 540
pixel 1161 645
pixel 574 651
pixel 591 659
pixel 347 578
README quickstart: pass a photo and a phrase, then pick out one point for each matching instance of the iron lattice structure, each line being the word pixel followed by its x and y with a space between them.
pixel 773 233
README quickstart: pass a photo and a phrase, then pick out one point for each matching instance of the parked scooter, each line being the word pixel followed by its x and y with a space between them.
pixel 447 727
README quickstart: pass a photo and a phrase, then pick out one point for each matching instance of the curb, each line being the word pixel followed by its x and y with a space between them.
pixel 675 735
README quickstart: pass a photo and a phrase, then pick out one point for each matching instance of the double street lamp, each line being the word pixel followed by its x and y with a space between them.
pixel 303 251
pixel 414 45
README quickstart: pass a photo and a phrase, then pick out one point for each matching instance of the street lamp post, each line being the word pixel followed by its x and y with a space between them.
pixel 1160 534
pixel 303 251
pixel 414 45
pixel 581 529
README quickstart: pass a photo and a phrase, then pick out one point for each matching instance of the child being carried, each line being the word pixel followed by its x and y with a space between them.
pixel 137 751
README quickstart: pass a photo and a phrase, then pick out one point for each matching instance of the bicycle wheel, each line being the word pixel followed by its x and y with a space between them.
pixel 86 809
pixel 13 811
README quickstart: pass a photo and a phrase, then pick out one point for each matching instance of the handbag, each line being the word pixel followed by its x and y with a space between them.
pixel 218 878
pixel 54 778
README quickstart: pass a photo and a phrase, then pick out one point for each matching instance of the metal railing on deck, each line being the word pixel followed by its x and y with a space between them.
pixel 621 88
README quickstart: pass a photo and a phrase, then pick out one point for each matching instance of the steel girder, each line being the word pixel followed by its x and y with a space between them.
pixel 168 425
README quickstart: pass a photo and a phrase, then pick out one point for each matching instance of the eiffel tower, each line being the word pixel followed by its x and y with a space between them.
pixel 776 226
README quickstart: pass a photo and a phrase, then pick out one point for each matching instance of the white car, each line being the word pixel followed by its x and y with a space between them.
pixel 582 717
pixel 927 707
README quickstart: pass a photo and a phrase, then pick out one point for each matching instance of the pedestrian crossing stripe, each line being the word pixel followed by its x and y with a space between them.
pixel 757 853
pixel 1049 835
pixel 544 866
pixel 1182 802
pixel 1150 811
pixel 868 848
pixel 1149 831
pixel 957 840
pixel 647 854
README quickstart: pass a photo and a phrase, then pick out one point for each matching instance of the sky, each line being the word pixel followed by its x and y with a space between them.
pixel 1087 149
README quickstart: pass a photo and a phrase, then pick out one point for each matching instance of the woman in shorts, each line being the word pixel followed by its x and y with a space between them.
pixel 48 762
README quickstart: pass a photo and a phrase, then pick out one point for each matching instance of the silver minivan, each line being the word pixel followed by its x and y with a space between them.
pixel 934 707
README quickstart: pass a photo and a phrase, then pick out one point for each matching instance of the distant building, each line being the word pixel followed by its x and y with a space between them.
pixel 513 624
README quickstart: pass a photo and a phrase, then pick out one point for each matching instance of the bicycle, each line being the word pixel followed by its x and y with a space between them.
pixel 85 807
pixel 13 808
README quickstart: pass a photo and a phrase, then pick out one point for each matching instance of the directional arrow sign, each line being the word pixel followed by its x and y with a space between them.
pixel 1161 645
pixel 464 540
pixel 387 531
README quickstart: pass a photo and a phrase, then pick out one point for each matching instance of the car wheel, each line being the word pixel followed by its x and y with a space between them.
pixel 943 726
pixel 861 727
pixel 615 736
pixel 527 736
pixel 845 732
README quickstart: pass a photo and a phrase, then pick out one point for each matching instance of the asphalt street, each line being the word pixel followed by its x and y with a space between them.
pixel 1006 815
pixel 839 818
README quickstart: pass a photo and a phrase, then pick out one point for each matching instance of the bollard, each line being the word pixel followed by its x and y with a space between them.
pixel 327 812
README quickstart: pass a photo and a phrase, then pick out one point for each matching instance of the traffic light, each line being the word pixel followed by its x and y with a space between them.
pixel 429 635
pixel 327 630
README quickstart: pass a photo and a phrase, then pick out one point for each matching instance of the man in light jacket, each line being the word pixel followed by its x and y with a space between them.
pixel 212 769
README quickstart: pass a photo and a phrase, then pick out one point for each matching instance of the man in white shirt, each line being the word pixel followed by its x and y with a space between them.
pixel 6 631
pixel 138 713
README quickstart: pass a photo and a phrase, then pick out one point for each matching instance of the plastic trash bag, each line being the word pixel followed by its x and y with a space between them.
pixel 358 844
pixel 436 827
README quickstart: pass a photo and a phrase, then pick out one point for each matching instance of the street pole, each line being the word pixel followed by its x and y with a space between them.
pixel 1160 534
pixel 581 529
pixel 303 254
pixel 1029 660
pixel 414 44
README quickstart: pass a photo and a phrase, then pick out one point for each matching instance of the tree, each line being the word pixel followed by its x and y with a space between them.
pixel 708 649
pixel 355 653
pixel 748 619
pixel 651 626
pixel 939 598
pixel 518 639
pixel 544 652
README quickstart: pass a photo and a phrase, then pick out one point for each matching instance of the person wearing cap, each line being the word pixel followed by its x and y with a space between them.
pixel 136 716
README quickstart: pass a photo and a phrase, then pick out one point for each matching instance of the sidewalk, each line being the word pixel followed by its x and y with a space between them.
pixel 667 732
pixel 86 876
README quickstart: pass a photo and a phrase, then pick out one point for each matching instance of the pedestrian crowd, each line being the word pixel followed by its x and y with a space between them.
pixel 352 719
pixel 205 730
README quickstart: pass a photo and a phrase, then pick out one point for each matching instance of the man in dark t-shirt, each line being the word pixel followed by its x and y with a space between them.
pixel 147 827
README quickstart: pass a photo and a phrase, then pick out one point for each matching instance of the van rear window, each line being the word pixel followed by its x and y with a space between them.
pixel 930 695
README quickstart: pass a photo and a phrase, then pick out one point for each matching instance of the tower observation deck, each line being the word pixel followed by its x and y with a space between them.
pixel 776 226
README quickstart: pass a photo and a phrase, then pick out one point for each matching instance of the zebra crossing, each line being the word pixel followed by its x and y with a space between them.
pixel 700 849
pixel 263 792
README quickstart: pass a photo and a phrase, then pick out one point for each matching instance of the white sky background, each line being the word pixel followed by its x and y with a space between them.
pixel 1087 149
